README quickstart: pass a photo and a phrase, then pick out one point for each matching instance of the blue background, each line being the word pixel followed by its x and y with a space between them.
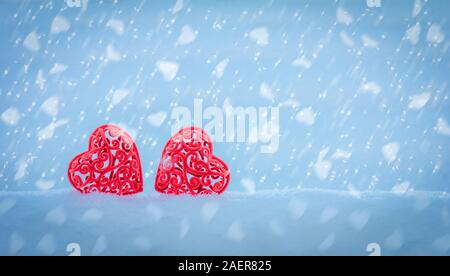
pixel 346 117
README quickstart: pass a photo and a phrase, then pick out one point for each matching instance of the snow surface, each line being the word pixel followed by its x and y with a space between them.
pixel 284 222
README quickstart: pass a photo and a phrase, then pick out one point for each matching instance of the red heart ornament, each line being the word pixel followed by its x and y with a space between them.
pixel 110 165
pixel 188 165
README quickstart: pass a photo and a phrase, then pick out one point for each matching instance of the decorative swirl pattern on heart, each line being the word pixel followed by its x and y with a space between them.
pixel 188 165
pixel 110 165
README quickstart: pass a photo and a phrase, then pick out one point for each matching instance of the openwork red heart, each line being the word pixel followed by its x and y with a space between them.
pixel 110 165
pixel 188 165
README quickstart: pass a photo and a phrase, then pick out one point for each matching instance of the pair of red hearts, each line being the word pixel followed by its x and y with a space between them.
pixel 112 165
